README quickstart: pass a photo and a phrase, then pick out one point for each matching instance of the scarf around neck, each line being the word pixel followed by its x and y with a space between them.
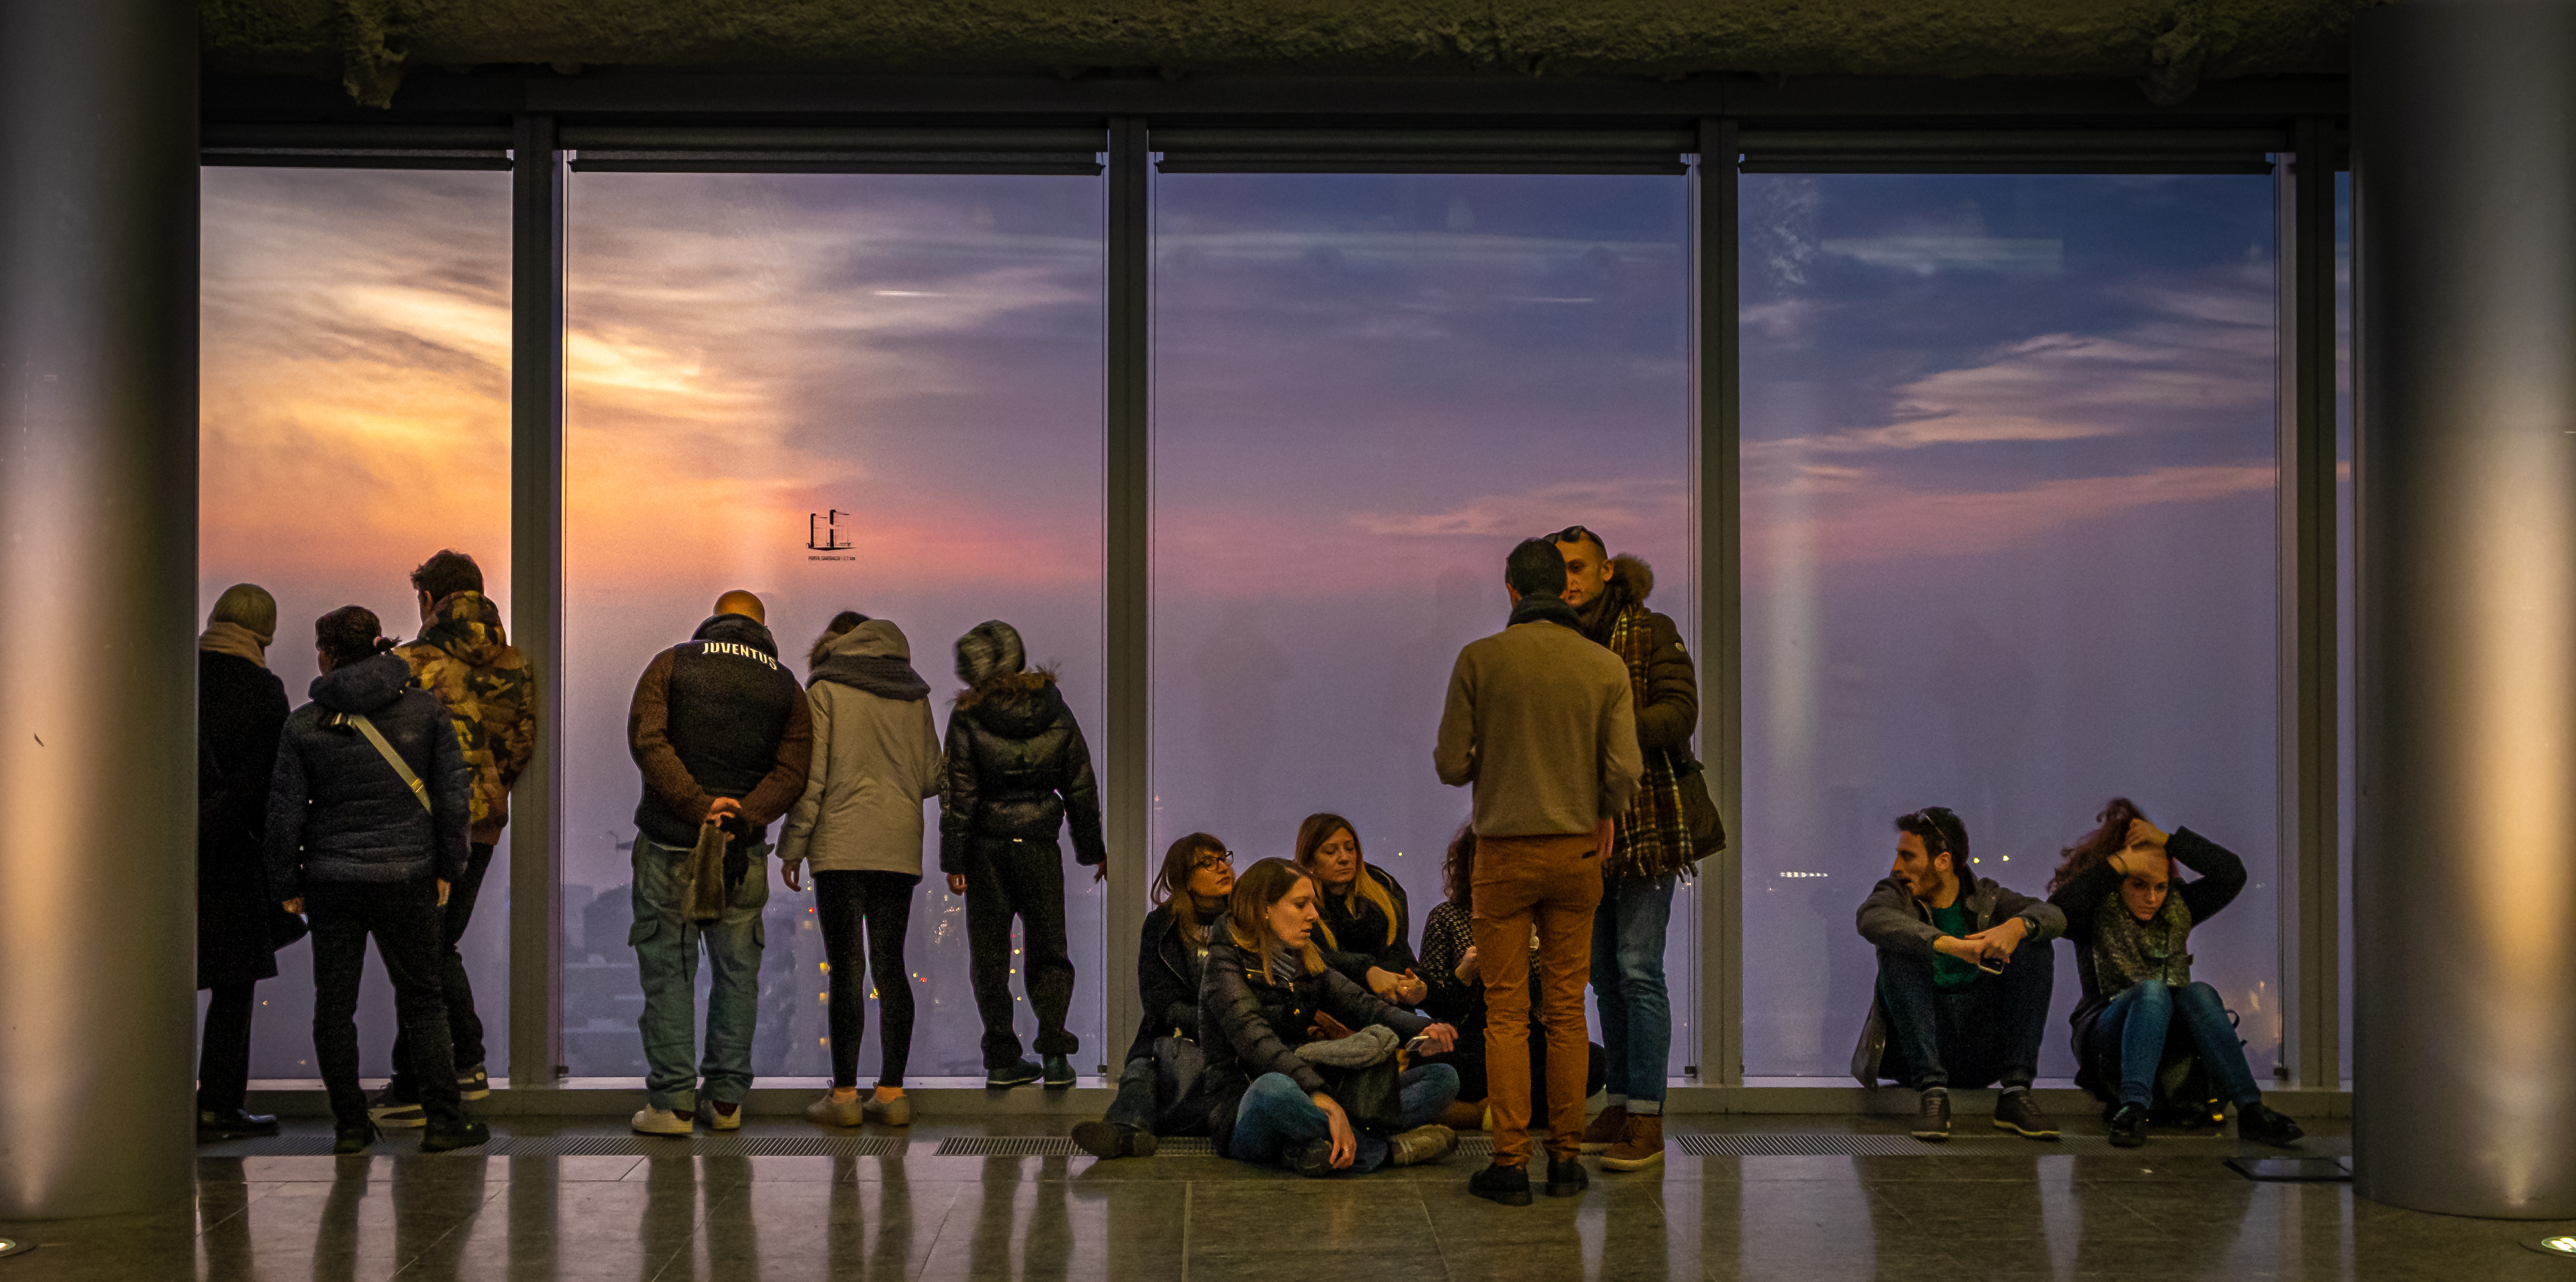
pixel 234 639
pixel 882 675
pixel 2127 951
pixel 1548 609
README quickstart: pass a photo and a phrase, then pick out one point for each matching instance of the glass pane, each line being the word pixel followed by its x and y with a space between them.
pixel 843 392
pixel 1367 389
pixel 2008 482
pixel 2347 623
pixel 354 417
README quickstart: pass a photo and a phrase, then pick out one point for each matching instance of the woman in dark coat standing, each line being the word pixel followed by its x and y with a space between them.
pixel 241 707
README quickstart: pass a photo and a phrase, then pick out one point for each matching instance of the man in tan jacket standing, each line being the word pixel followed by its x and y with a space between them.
pixel 1541 722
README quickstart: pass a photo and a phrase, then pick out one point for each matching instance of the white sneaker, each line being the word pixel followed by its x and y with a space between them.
pixel 725 1117
pixel 661 1121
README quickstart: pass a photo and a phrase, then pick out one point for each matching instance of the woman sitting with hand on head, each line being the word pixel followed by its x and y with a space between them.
pixel 1275 1020
pixel 1158 1090
pixel 2131 919
pixel 1363 911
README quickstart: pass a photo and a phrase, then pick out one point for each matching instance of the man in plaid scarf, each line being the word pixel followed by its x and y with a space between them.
pixel 1652 851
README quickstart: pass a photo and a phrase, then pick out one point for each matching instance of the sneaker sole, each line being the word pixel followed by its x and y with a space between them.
pixel 2124 1142
pixel 1602 1146
pixel 397 1122
pixel 476 1092
pixel 1632 1163
pixel 2002 1125
pixel 992 1085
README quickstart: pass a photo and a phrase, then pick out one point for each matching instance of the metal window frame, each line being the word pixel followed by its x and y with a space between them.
pixel 1831 127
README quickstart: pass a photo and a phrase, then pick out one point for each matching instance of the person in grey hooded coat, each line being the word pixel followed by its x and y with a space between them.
pixel 876 758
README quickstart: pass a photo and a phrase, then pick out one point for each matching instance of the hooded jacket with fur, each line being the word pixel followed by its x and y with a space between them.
pixel 1018 768
pixel 339 812
pixel 465 658
pixel 876 757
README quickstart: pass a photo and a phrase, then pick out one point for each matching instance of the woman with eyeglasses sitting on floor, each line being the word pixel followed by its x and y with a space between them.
pixel 1303 1066
pixel 1157 1093
pixel 2131 919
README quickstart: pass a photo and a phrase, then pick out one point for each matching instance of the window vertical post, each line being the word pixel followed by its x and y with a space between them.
pixel 536 595
pixel 2309 899
pixel 1127 576
pixel 1716 375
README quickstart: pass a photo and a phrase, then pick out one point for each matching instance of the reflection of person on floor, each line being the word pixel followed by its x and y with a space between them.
pixel 1964 976
pixel 1279 1089
pixel 1158 1089
pixel 1018 770
pixel 2131 919
pixel 876 758
pixel 720 730
pixel 1457 993
pixel 1365 913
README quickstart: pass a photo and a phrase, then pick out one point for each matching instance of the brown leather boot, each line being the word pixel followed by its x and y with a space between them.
pixel 1606 1128
pixel 1640 1147
pixel 1464 1115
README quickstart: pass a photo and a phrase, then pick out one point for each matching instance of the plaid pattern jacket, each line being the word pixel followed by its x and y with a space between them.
pixel 1653 839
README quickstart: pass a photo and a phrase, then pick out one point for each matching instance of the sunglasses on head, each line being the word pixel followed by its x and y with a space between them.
pixel 1574 534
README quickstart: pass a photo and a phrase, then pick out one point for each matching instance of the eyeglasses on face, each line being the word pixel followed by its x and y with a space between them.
pixel 1215 859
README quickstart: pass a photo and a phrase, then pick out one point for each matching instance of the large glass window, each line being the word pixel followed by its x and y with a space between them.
pixel 2008 457
pixel 1367 389
pixel 354 417
pixel 844 392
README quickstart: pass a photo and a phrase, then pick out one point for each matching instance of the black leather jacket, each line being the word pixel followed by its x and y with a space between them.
pixel 1018 769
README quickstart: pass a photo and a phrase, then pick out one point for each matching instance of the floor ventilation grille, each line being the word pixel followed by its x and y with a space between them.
pixel 1007 1146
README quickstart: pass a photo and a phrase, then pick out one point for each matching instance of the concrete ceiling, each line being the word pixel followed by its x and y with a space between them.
pixel 2168 46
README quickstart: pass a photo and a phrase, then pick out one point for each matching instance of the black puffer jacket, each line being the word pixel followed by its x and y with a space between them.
pixel 1249 1029
pixel 1167 981
pixel 1018 770
pixel 337 811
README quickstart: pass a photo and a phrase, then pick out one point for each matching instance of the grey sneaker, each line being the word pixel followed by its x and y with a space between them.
pixel 1932 1116
pixel 887 1112
pixel 391 1112
pixel 1421 1144
pixel 663 1121
pixel 837 1112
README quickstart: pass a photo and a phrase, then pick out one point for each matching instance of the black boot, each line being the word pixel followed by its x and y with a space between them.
pixel 441 1138
pixel 1508 1185
pixel 1113 1139
pixel 1312 1159
pixel 1566 1177
pixel 235 1125
pixel 2259 1123
pixel 352 1137
pixel 2129 1125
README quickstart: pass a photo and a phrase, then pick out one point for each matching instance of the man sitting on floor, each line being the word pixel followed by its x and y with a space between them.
pixel 1960 1000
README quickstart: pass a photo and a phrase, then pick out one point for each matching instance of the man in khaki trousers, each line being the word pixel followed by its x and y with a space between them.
pixel 1540 721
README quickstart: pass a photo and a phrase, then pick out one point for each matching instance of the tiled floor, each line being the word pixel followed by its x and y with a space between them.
pixel 2168 1211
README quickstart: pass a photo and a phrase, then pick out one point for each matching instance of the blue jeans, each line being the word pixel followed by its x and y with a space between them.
pixel 1985 1033
pixel 666 957
pixel 1628 978
pixel 1277 1113
pixel 2136 1022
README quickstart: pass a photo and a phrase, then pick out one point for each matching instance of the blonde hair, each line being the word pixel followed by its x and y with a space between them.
pixel 1311 836
pixel 1247 914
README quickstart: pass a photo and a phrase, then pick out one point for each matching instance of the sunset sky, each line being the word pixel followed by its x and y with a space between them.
pixel 2007 463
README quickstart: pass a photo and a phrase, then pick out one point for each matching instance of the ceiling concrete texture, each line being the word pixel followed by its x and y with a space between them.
pixel 2168 46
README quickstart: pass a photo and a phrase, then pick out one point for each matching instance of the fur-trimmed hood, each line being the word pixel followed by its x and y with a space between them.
pixel 1631 582
pixel 1013 704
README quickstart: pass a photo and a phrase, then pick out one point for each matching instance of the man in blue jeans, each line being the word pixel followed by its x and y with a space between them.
pixel 1965 972
pixel 1653 847
pixel 720 730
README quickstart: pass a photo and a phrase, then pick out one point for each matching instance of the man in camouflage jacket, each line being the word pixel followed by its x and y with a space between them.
pixel 465 658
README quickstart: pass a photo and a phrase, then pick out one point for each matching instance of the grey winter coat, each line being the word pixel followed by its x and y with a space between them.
pixel 338 812
pixel 1894 921
pixel 876 759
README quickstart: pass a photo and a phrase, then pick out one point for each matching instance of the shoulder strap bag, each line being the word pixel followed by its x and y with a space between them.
pixel 419 790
